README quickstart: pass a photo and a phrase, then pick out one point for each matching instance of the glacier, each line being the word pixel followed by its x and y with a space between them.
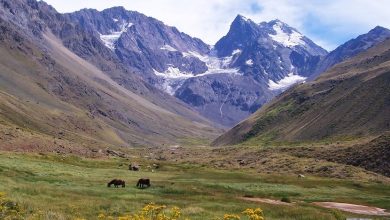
pixel 109 40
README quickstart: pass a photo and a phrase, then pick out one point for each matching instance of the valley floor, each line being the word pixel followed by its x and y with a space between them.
pixel 69 187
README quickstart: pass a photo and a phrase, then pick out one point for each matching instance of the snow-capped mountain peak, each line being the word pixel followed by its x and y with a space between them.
pixel 225 83
pixel 286 36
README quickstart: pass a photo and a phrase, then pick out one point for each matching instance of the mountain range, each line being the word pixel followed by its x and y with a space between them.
pixel 351 100
pixel 118 77
pixel 226 82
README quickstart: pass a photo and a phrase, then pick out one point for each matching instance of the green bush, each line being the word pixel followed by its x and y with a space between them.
pixel 338 215
pixel 286 199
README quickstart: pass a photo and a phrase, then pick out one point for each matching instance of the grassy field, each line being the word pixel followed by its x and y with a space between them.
pixel 66 187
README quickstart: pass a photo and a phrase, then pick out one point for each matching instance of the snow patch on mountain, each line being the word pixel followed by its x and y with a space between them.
pixel 286 39
pixel 249 62
pixel 109 40
pixel 173 73
pixel 167 87
pixel 215 64
pixel 237 51
pixel 168 48
pixel 173 77
pixel 286 82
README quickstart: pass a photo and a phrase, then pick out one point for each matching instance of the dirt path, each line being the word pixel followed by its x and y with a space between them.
pixel 263 200
pixel 358 209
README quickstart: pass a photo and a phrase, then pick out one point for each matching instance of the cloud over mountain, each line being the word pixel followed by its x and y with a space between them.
pixel 326 22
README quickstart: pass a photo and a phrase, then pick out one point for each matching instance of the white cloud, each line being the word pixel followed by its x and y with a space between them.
pixel 328 23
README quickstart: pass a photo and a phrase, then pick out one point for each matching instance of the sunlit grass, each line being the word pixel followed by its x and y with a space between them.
pixel 70 186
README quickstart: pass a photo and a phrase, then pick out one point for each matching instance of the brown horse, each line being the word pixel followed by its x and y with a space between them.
pixel 116 183
pixel 143 183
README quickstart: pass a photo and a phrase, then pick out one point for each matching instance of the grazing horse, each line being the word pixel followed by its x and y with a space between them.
pixel 116 183
pixel 142 183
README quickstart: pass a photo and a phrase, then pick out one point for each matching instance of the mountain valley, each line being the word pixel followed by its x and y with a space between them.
pixel 264 118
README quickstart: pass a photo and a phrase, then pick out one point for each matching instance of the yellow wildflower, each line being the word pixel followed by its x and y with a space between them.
pixel 231 217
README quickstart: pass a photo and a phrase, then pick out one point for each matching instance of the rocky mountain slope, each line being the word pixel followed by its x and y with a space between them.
pixel 268 58
pixel 350 99
pixel 263 60
pixel 225 83
pixel 352 48
pixel 52 98
pixel 162 70
pixel 372 156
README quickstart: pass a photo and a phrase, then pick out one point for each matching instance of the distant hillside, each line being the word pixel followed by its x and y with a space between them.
pixel 373 156
pixel 352 48
pixel 351 99
pixel 51 98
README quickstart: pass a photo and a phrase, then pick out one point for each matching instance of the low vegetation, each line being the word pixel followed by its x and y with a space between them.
pixel 286 199
pixel 10 210
pixel 63 187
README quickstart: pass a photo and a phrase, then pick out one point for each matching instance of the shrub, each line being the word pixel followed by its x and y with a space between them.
pixel 10 209
pixel 231 217
pixel 254 214
pixel 286 199
pixel 160 212
pixel 149 212
pixel 338 215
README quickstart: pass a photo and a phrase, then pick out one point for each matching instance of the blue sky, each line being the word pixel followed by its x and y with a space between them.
pixel 328 23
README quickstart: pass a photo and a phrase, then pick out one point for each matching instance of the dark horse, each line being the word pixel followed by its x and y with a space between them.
pixel 142 183
pixel 116 183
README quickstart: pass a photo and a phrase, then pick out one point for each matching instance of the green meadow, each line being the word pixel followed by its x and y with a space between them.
pixel 70 187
